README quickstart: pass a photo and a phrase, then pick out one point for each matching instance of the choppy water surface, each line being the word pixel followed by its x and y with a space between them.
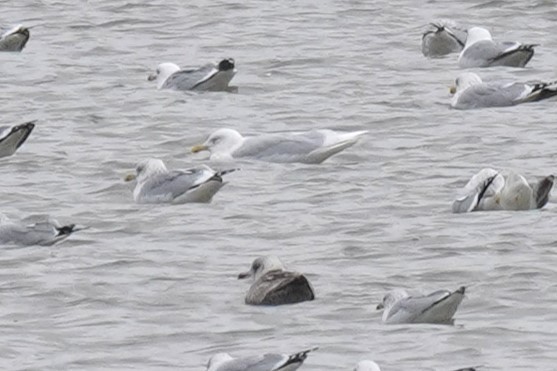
pixel 155 288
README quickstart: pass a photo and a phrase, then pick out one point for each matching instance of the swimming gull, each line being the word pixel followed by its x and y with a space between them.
pixel 437 307
pixel 471 92
pixel 266 362
pixel 34 230
pixel 209 77
pixel 445 38
pixel 490 189
pixel 12 137
pixel 14 39
pixel 367 365
pixel 272 285
pixel 310 147
pixel 481 51
pixel 156 184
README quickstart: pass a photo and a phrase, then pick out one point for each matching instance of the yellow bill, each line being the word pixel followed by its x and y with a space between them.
pixel 452 89
pixel 199 148
pixel 130 177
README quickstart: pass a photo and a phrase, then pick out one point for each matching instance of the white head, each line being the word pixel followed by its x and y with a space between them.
pixel 221 143
pixel 463 82
pixel 367 365
pixel 391 298
pixel 262 265
pixel 163 71
pixel 476 34
pixel 217 360
pixel 149 167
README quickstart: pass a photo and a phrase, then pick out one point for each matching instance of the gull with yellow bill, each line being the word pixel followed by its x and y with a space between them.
pixel 471 92
pixel 310 147
pixel 156 184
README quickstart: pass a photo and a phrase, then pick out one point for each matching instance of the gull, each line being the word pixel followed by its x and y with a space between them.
pixel 446 38
pixel 367 365
pixel 34 230
pixel 156 184
pixel 437 307
pixel 14 39
pixel 481 51
pixel 12 137
pixel 273 285
pixel 310 147
pixel 490 189
pixel 471 92
pixel 209 77
pixel 265 362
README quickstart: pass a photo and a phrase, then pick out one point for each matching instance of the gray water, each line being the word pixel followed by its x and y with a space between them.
pixel 153 287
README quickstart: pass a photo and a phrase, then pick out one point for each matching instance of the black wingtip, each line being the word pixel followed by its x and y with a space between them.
pixel 298 357
pixel 543 189
pixel 66 230
pixel 461 290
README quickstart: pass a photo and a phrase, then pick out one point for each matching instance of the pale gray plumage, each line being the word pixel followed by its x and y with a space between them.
pixel 12 137
pixel 14 39
pixel 437 307
pixel 266 362
pixel 445 38
pixel 490 189
pixel 36 230
pixel 471 92
pixel 367 365
pixel 209 77
pixel 272 285
pixel 155 184
pixel 481 51
pixel 312 147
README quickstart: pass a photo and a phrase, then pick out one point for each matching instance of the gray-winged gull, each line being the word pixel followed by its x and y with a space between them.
pixel 265 362
pixel 209 77
pixel 471 92
pixel 14 39
pixel 156 184
pixel 12 137
pixel 445 38
pixel 490 189
pixel 481 51
pixel 34 230
pixel 367 365
pixel 437 307
pixel 310 147
pixel 272 285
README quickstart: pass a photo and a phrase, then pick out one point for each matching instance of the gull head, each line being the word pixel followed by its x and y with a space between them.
pixel 262 265
pixel 221 143
pixel 145 169
pixel 476 34
pixel 391 298
pixel 464 81
pixel 163 71
pixel 217 360
pixel 367 365
pixel 226 64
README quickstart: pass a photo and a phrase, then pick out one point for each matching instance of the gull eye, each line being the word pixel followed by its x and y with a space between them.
pixel 214 140
pixel 457 81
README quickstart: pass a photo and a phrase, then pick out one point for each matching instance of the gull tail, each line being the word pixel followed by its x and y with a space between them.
pixel 543 91
pixel 542 189
pixel 297 358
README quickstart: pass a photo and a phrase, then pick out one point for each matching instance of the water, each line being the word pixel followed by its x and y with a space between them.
pixel 155 288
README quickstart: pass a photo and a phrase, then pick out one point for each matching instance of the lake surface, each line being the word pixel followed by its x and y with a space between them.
pixel 153 287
